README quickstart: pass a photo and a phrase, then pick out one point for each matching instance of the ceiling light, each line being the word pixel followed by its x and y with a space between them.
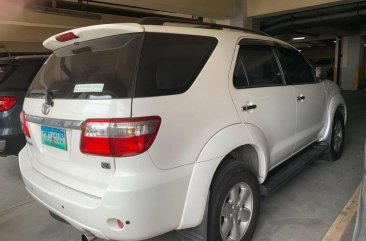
pixel 298 38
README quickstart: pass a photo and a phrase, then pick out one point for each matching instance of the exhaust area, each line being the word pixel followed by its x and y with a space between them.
pixel 88 237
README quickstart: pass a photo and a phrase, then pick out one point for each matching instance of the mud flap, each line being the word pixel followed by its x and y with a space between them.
pixel 198 233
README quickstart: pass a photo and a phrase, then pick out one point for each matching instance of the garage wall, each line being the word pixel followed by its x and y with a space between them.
pixel 24 30
pixel 316 53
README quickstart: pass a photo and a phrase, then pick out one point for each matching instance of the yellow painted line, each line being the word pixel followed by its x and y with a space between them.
pixel 339 226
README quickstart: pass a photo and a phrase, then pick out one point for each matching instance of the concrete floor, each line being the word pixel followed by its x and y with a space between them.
pixel 302 210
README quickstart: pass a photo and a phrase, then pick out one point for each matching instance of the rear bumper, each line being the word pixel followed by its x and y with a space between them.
pixel 11 144
pixel 152 201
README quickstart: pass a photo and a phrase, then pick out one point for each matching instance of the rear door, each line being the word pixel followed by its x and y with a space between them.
pixel 90 79
pixel 309 93
pixel 262 99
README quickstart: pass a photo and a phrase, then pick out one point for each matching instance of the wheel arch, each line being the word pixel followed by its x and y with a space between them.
pixel 337 104
pixel 235 141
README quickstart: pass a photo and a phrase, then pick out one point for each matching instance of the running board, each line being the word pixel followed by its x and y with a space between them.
pixel 287 170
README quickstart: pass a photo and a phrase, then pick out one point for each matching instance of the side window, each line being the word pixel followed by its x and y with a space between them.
pixel 256 66
pixel 296 69
pixel 170 63
pixel 240 78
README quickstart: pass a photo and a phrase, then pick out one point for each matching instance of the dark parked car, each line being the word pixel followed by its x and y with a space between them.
pixel 16 74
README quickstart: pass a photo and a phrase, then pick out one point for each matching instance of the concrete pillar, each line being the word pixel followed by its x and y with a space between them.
pixel 240 18
pixel 352 62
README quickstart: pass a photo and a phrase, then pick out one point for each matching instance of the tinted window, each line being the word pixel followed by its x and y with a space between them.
pixel 95 69
pixel 256 66
pixel 106 67
pixel 19 76
pixel 170 63
pixel 296 69
pixel 5 70
pixel 240 79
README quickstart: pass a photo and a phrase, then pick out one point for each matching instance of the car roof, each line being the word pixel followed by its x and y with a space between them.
pixel 105 30
pixel 23 59
pixel 212 32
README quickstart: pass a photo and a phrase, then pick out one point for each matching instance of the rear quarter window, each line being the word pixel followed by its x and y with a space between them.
pixel 170 63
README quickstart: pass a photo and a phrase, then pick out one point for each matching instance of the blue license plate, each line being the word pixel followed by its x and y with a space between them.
pixel 54 137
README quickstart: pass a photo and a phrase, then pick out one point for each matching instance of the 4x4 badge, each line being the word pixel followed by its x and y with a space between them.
pixel 45 108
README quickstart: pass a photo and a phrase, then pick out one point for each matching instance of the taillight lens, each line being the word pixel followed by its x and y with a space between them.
pixel 7 102
pixel 66 37
pixel 24 124
pixel 119 137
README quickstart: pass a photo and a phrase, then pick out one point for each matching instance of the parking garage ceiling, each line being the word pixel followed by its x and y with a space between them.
pixel 29 22
pixel 319 26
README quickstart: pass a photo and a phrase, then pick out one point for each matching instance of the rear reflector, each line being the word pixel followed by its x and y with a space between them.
pixel 118 137
pixel 66 37
pixel 23 121
pixel 120 224
pixel 7 102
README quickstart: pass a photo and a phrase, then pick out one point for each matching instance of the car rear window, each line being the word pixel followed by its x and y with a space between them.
pixel 97 69
pixel 5 69
pixel 18 77
pixel 118 67
pixel 170 63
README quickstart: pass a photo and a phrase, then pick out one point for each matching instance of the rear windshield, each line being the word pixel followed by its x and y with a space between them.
pixel 102 68
pixel 108 67
pixel 5 70
pixel 17 77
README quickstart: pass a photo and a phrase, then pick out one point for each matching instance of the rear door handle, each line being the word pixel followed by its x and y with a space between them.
pixel 301 97
pixel 248 107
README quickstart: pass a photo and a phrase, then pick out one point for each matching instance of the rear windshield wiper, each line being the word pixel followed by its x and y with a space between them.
pixel 47 95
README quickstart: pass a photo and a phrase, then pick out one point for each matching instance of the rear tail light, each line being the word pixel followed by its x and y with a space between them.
pixel 7 102
pixel 118 137
pixel 24 124
pixel 66 37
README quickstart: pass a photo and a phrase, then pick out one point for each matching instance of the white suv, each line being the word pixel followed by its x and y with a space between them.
pixel 135 130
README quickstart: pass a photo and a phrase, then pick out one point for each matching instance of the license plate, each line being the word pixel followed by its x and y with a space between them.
pixel 54 137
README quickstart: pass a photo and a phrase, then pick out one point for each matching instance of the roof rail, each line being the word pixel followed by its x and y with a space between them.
pixel 161 21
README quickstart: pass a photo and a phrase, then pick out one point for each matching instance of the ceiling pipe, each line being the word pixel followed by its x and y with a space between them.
pixel 286 22
pixel 92 9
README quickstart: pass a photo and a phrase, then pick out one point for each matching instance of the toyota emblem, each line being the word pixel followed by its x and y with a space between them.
pixel 45 108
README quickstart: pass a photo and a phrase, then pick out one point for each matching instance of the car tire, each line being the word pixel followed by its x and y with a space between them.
pixel 337 138
pixel 234 203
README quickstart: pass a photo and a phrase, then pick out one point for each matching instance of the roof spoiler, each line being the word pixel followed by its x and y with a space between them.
pixel 91 32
